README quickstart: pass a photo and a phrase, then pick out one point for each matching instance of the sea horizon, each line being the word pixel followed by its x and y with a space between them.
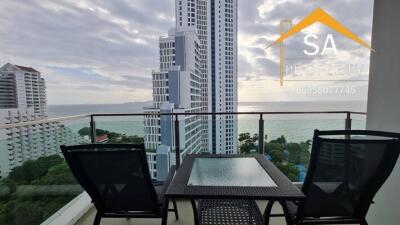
pixel 295 128
pixel 239 102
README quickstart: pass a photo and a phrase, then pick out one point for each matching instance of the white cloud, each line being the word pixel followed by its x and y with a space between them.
pixel 116 43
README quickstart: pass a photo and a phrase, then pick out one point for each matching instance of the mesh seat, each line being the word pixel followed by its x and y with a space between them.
pixel 232 212
pixel 117 178
pixel 346 170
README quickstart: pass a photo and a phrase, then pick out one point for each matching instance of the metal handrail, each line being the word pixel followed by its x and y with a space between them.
pixel 60 119
pixel 260 124
pixel 175 115
pixel 227 113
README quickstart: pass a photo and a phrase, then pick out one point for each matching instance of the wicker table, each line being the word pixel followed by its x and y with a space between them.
pixel 193 180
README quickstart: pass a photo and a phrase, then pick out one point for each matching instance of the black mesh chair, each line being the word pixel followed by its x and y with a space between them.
pixel 117 178
pixel 346 170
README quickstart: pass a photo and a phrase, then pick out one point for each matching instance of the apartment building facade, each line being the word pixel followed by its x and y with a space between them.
pixel 176 88
pixel 197 73
pixel 223 76
pixel 23 99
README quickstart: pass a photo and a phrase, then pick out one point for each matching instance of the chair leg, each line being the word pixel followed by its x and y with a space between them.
pixel 175 209
pixel 97 219
pixel 267 212
pixel 195 213
pixel 164 219
pixel 288 218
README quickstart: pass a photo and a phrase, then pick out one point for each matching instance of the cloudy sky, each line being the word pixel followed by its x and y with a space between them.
pixel 103 51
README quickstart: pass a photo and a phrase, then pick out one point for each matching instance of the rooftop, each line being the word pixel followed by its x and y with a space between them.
pixel 27 69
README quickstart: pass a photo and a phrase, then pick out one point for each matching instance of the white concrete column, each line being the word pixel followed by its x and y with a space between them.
pixel 384 101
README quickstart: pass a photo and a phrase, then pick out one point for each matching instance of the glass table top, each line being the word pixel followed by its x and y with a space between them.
pixel 241 172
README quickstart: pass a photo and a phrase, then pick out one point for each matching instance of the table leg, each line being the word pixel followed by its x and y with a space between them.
pixel 195 213
pixel 286 212
pixel 267 212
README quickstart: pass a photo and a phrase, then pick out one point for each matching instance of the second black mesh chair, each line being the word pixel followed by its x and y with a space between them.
pixel 346 170
pixel 117 178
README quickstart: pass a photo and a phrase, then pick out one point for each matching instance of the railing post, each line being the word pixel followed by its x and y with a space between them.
pixel 347 125
pixel 177 147
pixel 348 121
pixel 261 135
pixel 92 130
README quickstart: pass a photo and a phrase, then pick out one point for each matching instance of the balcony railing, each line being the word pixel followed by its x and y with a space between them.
pixel 62 126
pixel 347 123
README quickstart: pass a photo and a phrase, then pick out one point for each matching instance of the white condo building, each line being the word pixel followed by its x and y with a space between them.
pixel 23 99
pixel 223 75
pixel 216 26
pixel 197 73
pixel 176 88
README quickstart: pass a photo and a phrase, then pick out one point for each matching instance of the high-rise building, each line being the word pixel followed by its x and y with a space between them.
pixel 195 14
pixel 23 87
pixel 197 73
pixel 216 25
pixel 23 99
pixel 176 88
pixel 223 75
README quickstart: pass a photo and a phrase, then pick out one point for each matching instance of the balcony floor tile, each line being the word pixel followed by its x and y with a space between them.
pixel 185 214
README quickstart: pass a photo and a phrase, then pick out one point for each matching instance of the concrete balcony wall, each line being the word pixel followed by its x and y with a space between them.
pixel 384 101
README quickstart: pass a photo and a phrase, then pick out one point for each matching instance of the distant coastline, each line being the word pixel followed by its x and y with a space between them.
pixel 240 103
pixel 137 107
pixel 296 128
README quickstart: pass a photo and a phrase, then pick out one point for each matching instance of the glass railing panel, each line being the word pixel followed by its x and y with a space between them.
pixel 35 180
pixel 133 130
pixel 358 122
pixel 289 139
pixel 248 134
pixel 119 129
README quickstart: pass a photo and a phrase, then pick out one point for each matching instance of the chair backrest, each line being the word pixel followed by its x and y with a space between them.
pixel 116 176
pixel 346 170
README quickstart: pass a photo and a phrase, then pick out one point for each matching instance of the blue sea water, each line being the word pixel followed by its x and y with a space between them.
pixel 295 128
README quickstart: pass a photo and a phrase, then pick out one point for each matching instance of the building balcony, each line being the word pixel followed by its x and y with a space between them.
pixel 72 206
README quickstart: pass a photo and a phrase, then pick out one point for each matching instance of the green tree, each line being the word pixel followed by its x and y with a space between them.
pixel 16 209
pixel 294 150
pixel 305 152
pixel 58 174
pixel 84 131
pixel 135 139
pixel 132 139
pixel 247 142
pixel 277 156
pixel 244 136
pixel 279 140
pixel 272 146
pixel 113 137
pixel 299 153
pixel 289 170
pixel 28 213
pixel 33 169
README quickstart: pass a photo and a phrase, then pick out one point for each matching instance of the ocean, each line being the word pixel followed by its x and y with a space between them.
pixel 295 128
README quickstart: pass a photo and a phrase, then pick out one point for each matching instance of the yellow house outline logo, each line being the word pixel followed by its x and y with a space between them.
pixel 318 15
